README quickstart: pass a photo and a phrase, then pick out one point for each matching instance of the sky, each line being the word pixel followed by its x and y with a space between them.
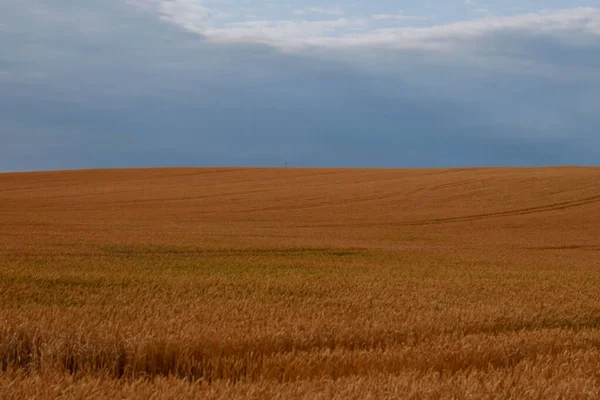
pixel 143 83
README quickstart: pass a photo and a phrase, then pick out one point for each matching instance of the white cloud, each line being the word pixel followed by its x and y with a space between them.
pixel 192 15
pixel 279 32
pixel 399 17
pixel 570 25
pixel 319 10
pixel 474 7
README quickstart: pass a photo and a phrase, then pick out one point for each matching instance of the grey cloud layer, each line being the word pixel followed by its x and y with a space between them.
pixel 103 84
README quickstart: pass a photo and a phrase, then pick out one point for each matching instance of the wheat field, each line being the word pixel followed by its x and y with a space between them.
pixel 229 283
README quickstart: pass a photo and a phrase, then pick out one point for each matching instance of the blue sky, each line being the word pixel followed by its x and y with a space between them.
pixel 130 83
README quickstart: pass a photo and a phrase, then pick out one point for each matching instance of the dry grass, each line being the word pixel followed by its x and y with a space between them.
pixel 225 283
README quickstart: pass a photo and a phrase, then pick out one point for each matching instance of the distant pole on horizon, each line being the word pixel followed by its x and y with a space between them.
pixel 286 164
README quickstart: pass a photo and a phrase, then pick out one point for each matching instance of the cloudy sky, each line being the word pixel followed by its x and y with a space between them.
pixel 383 83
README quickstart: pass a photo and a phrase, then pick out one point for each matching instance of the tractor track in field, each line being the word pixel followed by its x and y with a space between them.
pixel 476 217
pixel 521 211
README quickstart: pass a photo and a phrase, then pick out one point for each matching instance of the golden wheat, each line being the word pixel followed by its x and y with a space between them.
pixel 300 283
